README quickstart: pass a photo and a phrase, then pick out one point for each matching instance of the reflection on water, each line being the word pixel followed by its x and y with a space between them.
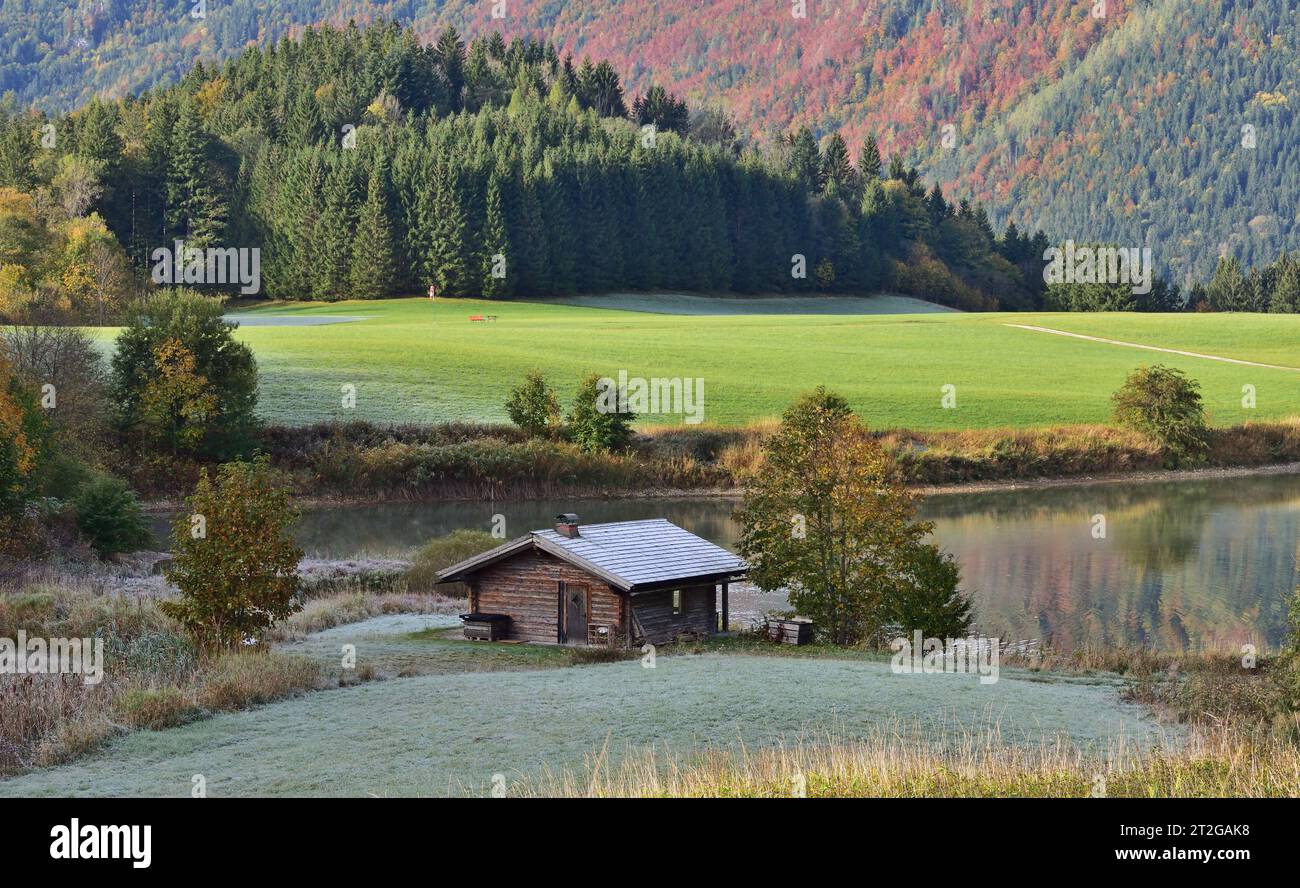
pixel 1203 564
pixel 1207 564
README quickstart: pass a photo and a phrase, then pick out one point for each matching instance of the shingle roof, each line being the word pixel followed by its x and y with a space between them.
pixel 629 555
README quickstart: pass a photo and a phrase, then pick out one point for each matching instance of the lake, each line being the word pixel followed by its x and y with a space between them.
pixel 1183 565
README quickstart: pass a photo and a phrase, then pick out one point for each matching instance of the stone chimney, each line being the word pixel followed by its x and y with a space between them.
pixel 566 524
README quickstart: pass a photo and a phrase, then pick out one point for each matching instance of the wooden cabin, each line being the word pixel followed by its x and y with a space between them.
pixel 623 584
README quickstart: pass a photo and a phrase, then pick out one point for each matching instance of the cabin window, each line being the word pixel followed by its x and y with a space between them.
pixel 677 602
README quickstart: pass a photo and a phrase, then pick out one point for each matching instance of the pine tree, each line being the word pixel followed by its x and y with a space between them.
pixel 869 160
pixel 496 246
pixel 837 172
pixel 332 257
pixel 374 268
pixel 195 208
pixel 447 264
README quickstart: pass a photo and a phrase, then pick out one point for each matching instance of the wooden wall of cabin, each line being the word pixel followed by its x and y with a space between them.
pixel 653 614
pixel 526 589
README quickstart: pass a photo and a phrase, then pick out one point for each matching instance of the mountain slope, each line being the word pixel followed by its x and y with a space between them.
pixel 1124 128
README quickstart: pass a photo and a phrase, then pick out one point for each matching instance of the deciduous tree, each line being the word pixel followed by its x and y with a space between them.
pixel 828 518
pixel 234 558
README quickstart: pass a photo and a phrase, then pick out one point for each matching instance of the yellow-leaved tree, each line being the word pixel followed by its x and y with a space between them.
pixel 24 243
pixel 178 401
pixel 234 558
pixel 22 439
pixel 95 273
pixel 828 519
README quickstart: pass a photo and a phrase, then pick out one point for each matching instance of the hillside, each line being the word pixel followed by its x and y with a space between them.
pixel 1126 128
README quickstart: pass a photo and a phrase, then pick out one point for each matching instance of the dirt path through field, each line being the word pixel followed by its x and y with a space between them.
pixel 1170 351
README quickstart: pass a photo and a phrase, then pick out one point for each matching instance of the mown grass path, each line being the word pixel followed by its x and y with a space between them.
pixel 1170 351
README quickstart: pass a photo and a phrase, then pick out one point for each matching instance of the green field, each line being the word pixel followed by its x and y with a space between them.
pixel 415 362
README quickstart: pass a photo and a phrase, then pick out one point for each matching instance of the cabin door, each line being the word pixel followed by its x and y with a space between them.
pixel 575 597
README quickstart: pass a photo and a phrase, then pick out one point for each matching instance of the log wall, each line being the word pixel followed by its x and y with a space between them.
pixel 526 588
pixel 658 624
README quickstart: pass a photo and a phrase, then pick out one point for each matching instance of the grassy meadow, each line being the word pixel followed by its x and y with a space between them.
pixel 463 712
pixel 415 362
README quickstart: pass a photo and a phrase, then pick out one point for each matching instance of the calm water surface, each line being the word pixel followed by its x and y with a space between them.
pixel 1183 565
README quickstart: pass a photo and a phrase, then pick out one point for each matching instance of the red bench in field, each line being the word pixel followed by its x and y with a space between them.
pixel 482 317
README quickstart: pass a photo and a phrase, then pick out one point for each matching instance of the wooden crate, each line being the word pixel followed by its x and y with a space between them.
pixel 796 631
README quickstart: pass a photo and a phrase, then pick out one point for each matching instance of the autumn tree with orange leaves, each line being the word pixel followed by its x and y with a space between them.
pixel 22 443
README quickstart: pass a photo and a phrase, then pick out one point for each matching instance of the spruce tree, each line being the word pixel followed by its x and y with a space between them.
pixel 450 50
pixel 195 208
pixel 869 160
pixel 306 125
pixel 496 246
pixel 448 236
pixel 374 268
pixel 837 172
pixel 805 161
pixel 1286 291
pixel 335 234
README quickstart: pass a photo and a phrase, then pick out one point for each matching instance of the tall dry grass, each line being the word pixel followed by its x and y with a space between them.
pixel 153 675
pixel 907 765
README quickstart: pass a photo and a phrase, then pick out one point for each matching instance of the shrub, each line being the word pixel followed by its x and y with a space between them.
pixel 533 407
pixel 599 419
pixel 67 476
pixel 179 375
pixel 928 599
pixel 1161 402
pixel 442 553
pixel 109 517
pixel 586 656
pixel 234 562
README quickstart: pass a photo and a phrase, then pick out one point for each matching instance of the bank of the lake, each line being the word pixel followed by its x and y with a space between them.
pixel 1190 562
pixel 359 461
